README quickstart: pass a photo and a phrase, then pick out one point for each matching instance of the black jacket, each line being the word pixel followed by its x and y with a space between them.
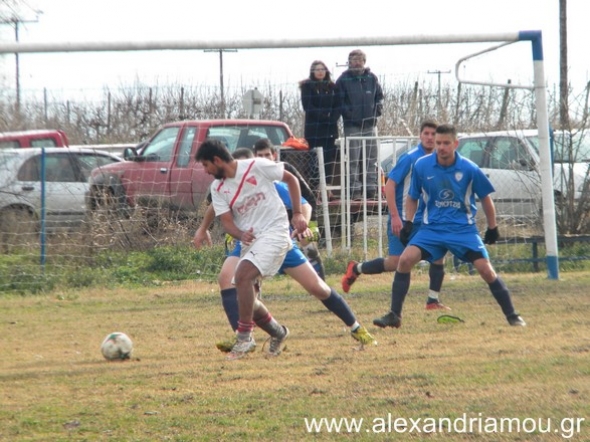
pixel 361 98
pixel 320 103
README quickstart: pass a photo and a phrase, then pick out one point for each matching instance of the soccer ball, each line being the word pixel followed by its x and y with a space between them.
pixel 116 346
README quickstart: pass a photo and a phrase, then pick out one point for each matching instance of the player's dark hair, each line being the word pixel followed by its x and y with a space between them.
pixel 243 153
pixel 428 123
pixel 211 148
pixel 262 144
pixel 447 129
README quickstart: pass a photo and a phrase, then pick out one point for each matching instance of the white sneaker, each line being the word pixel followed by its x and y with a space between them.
pixel 241 349
pixel 277 343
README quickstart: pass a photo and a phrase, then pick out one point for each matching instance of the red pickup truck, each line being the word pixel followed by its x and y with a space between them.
pixel 34 138
pixel 162 172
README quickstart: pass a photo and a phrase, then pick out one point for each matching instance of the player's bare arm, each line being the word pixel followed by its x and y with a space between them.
pixel 411 207
pixel 489 209
pixel 396 221
pixel 227 221
pixel 202 236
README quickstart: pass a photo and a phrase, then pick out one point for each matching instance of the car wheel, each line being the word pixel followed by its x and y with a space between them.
pixel 18 228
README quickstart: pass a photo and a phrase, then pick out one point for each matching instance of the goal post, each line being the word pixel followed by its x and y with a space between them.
pixel 533 36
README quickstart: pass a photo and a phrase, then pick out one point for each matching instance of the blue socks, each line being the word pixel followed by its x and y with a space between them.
pixel 229 300
pixel 337 305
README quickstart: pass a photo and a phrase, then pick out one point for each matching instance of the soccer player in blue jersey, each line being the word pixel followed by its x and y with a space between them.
pixel 396 188
pixel 448 185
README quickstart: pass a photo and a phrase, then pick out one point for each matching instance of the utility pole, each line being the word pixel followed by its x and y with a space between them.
pixel 439 103
pixel 221 87
pixel 15 21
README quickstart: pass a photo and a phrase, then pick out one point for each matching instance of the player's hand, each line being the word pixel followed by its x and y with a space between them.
pixel 299 223
pixel 396 225
pixel 248 237
pixel 406 232
pixel 491 236
pixel 307 234
pixel 202 238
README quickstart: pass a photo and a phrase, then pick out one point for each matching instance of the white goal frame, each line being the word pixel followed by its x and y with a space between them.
pixel 539 88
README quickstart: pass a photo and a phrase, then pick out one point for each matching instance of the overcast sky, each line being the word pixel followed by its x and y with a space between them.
pixel 123 20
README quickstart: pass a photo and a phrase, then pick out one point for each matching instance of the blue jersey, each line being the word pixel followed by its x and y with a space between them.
pixel 448 192
pixel 283 191
pixel 401 174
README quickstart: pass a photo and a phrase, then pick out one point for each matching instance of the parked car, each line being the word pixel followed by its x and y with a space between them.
pixel 511 161
pixel 162 173
pixel 33 138
pixel 66 174
pixel 391 150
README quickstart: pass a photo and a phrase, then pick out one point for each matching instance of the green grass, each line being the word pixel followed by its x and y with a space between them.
pixel 55 385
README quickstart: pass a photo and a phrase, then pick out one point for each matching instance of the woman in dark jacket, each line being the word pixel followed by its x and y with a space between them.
pixel 320 104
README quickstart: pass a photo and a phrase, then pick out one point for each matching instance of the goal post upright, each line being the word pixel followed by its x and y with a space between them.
pixel 539 87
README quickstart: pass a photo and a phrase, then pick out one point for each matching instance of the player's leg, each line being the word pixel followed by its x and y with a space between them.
pixel 278 333
pixel 354 159
pixel 399 288
pixel 376 266
pixel 262 258
pixel 498 289
pixel 436 273
pixel 229 297
pixel 469 247
pixel 424 245
pixel 298 268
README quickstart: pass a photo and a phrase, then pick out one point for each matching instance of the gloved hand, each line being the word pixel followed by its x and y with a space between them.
pixel 406 232
pixel 313 226
pixel 491 236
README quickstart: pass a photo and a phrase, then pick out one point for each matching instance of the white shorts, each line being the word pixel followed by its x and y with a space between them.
pixel 268 252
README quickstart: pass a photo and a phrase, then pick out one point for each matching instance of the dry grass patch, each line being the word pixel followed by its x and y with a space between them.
pixel 55 385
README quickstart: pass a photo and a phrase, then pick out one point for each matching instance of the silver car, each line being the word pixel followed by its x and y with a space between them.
pixel 510 159
pixel 65 172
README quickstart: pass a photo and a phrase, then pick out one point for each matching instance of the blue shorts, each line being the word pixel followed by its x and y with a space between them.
pixel 459 240
pixel 395 246
pixel 294 258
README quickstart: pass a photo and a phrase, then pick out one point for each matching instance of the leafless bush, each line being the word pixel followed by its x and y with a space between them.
pixel 131 113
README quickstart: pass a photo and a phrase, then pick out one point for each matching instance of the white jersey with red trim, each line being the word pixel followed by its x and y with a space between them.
pixel 252 197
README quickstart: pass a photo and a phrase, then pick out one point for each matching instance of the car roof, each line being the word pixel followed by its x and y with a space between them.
pixel 499 133
pixel 21 133
pixel 229 122
pixel 73 149
pixel 30 151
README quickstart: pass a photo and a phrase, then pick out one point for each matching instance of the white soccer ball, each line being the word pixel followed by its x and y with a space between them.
pixel 116 346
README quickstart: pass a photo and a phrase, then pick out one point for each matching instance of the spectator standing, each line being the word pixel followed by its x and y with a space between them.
pixel 320 103
pixel 361 103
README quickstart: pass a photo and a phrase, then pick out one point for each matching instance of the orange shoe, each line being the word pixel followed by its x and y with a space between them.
pixel 436 306
pixel 350 276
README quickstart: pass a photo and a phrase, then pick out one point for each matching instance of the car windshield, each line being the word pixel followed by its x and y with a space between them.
pixel 245 136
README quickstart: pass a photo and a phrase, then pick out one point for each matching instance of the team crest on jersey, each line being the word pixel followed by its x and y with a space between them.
pixel 251 180
pixel 458 175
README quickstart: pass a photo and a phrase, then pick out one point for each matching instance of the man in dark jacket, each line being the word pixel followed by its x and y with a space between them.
pixel 361 101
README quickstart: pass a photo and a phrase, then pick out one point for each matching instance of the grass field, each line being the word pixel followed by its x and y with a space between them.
pixel 55 385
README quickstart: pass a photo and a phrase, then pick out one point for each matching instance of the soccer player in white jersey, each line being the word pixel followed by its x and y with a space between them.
pixel 250 209
pixel 448 184
pixel 295 265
